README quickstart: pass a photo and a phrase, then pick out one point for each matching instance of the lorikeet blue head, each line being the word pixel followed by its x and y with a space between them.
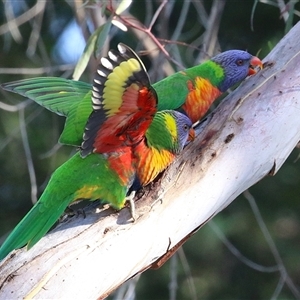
pixel 184 125
pixel 236 65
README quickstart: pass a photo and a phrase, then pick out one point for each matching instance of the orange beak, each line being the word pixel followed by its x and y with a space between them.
pixel 192 135
pixel 254 62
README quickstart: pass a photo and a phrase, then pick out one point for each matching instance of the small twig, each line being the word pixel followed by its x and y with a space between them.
pixel 28 156
pixel 16 130
pixel 137 25
pixel 279 287
pixel 28 15
pixel 252 14
pixel 283 9
pixel 50 152
pixel 36 27
pixel 238 254
pixel 178 29
pixel 14 108
pixel 201 12
pixel 179 43
pixel 188 273
pixel 127 290
pixel 173 285
pixel 181 20
pixel 11 24
pixel 210 39
pixel 149 10
pixel 147 31
pixel 157 13
pixel 271 244
pixel 36 71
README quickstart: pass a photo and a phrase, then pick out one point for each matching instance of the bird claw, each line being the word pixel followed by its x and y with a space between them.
pixel 71 212
pixel 130 199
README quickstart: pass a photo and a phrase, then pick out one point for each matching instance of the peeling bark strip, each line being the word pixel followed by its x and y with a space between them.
pixel 89 258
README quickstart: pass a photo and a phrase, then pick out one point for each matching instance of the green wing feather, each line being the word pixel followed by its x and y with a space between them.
pixel 77 117
pixel 54 93
pixel 168 87
pixel 65 97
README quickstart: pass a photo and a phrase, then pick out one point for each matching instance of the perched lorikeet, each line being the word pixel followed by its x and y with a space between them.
pixel 122 93
pixel 91 178
pixel 191 91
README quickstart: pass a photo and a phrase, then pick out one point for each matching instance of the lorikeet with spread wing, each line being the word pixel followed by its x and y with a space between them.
pixel 122 93
pixel 119 103
pixel 191 91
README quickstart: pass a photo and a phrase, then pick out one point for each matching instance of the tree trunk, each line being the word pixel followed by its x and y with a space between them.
pixel 247 137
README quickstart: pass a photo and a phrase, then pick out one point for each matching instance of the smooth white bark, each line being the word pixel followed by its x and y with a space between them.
pixel 248 136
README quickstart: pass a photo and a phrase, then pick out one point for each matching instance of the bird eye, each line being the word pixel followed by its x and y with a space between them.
pixel 186 127
pixel 239 62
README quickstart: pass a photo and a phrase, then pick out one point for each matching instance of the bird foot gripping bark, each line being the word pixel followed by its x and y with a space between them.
pixel 130 199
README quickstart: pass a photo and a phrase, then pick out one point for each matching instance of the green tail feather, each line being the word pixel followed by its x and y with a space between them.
pixel 33 227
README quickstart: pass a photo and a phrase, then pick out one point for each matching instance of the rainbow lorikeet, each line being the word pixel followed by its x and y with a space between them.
pixel 122 93
pixel 191 91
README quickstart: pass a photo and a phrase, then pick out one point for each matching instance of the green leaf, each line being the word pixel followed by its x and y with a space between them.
pixel 96 41
pixel 123 6
pixel 77 116
pixel 101 38
pixel 103 7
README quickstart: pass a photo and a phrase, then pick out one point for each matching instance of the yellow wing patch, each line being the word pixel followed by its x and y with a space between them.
pixel 116 85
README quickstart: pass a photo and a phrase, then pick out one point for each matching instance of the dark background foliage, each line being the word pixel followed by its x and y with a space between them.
pixel 50 43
